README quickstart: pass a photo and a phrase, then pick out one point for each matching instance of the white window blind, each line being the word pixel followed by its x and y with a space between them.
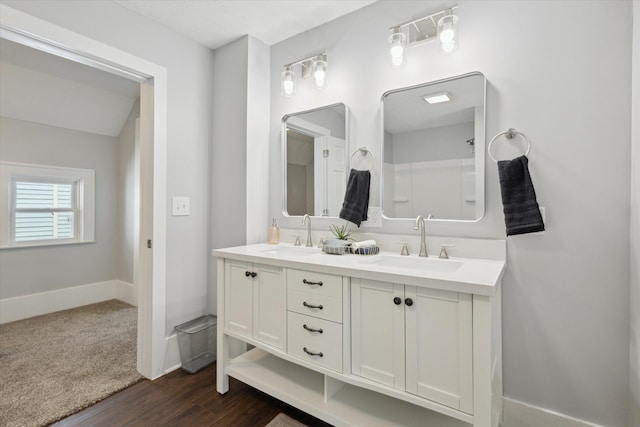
pixel 44 211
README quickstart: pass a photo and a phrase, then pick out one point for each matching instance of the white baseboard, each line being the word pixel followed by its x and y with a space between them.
pixel 172 356
pixel 23 307
pixel 519 414
pixel 126 292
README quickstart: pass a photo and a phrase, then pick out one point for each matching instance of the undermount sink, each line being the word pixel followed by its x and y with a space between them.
pixel 414 263
pixel 294 251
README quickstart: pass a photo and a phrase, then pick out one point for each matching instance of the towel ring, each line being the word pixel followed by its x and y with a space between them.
pixel 509 134
pixel 364 151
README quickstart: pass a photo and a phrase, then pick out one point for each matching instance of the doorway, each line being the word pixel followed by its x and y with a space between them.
pixel 150 272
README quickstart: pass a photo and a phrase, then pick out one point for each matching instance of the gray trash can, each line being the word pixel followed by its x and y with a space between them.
pixel 197 343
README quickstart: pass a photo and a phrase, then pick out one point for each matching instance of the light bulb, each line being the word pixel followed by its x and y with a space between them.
pixel 288 86
pixel 448 47
pixel 396 51
pixel 397 42
pixel 319 76
pixel 320 72
pixel 448 32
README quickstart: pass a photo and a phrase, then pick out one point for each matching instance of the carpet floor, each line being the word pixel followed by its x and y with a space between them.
pixel 57 364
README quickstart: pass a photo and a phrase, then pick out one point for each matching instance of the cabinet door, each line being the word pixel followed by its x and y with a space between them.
pixel 238 296
pixel 269 305
pixel 439 346
pixel 377 338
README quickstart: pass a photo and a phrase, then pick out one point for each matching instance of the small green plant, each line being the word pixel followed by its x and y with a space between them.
pixel 341 232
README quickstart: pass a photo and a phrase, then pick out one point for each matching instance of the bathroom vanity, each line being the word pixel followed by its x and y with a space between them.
pixel 363 340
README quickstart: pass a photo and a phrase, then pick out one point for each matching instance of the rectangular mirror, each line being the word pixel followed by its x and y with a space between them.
pixel 433 149
pixel 314 147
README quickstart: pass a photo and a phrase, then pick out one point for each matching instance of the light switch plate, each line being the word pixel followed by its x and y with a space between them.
pixel 180 206
pixel 374 217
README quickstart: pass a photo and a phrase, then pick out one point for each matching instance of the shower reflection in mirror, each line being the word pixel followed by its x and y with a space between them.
pixel 433 148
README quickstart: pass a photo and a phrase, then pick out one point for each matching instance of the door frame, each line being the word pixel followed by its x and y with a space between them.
pixel 33 32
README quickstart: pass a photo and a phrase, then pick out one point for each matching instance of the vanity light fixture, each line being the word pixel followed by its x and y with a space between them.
pixel 437 98
pixel 315 66
pixel 441 25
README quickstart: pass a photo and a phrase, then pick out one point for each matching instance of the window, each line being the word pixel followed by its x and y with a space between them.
pixel 45 205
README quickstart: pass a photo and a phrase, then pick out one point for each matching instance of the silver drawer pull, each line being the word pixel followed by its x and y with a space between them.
pixel 311 329
pixel 307 282
pixel 311 353
pixel 319 307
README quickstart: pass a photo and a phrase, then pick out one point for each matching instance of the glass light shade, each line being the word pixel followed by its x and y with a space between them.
pixel 287 86
pixel 448 33
pixel 397 43
pixel 320 73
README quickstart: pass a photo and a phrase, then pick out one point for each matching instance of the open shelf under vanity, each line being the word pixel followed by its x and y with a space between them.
pixel 327 398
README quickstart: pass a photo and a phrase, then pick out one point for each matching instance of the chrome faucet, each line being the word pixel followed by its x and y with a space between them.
pixel 423 240
pixel 306 220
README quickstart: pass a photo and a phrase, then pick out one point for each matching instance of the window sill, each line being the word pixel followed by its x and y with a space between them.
pixel 41 244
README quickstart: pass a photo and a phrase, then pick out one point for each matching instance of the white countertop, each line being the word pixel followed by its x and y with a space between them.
pixel 468 275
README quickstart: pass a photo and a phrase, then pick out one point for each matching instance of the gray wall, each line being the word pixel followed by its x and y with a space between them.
pixel 62 266
pixel 440 143
pixel 239 149
pixel 228 152
pixel 566 292
pixel 189 67
pixel 634 310
pixel 126 196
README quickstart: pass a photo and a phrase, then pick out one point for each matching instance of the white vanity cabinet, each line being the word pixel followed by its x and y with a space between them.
pixel 415 339
pixel 356 343
pixel 255 301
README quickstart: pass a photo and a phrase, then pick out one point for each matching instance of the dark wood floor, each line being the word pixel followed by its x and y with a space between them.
pixel 181 399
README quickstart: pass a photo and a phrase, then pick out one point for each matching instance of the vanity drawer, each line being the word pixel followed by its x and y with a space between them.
pixel 316 305
pixel 303 333
pixel 317 283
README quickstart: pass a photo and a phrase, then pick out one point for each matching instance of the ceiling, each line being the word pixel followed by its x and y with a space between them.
pixel 43 88
pixel 215 23
pixel 406 111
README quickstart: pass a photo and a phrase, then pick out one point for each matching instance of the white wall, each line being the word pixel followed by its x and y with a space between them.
pixel 62 266
pixel 189 66
pixel 634 309
pixel 257 141
pixel 239 148
pixel 550 75
pixel 126 196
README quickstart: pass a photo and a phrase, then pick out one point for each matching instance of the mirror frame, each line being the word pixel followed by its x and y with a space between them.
pixel 283 154
pixel 480 147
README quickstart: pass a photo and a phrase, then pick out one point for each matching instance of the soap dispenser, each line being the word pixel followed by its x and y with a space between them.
pixel 274 233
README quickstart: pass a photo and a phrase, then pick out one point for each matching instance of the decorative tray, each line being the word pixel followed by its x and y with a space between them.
pixel 372 250
pixel 336 250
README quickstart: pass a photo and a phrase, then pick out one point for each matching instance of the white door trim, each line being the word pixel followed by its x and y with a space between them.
pixel 34 32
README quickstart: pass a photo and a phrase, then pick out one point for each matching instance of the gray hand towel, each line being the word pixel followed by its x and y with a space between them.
pixel 521 211
pixel 356 197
